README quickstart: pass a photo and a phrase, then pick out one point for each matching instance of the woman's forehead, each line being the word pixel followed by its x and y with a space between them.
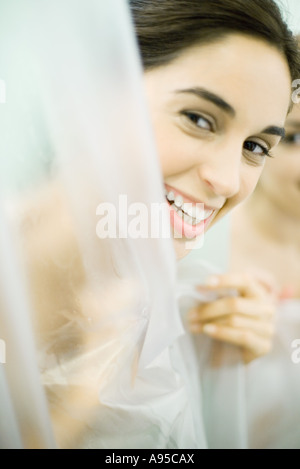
pixel 248 74
pixel 238 57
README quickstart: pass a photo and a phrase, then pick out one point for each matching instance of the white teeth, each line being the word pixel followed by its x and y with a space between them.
pixel 198 213
pixel 180 212
pixel 188 219
pixel 194 211
pixel 193 220
pixel 188 208
pixel 171 196
pixel 207 213
pixel 192 214
pixel 178 201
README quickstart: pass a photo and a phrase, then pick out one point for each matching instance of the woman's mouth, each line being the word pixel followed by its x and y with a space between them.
pixel 188 218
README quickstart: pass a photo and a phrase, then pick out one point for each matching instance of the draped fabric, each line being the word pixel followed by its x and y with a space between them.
pixel 82 315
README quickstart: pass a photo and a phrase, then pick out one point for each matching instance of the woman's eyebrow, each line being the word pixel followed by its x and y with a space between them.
pixel 274 130
pixel 209 96
pixel 222 104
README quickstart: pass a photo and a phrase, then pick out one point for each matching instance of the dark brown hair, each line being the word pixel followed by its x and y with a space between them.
pixel 165 28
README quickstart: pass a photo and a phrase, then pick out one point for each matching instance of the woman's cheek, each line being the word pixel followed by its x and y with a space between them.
pixel 249 180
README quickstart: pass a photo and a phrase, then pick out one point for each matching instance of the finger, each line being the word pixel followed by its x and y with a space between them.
pixel 228 306
pixel 249 356
pixel 261 327
pixel 246 285
pixel 265 329
pixel 245 339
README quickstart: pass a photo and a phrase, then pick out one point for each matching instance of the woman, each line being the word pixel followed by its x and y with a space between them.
pixel 214 127
pixel 217 113
pixel 209 152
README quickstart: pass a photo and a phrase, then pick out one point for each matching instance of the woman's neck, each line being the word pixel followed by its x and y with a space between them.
pixel 271 221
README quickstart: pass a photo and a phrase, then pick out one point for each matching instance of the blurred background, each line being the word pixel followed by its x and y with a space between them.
pixel 291 9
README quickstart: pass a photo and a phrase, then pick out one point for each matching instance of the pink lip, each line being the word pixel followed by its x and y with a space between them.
pixel 182 228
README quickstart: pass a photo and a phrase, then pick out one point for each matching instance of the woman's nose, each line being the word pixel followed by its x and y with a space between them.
pixel 222 175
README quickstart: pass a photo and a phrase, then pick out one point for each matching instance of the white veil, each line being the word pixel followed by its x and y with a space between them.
pixel 81 317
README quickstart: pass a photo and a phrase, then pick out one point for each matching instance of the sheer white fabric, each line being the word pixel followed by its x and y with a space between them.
pixel 88 322
pixel 216 369
pixel 273 385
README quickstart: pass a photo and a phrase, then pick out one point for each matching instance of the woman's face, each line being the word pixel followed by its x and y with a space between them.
pixel 217 111
pixel 280 181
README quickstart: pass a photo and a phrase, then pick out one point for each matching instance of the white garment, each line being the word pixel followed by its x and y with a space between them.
pixel 76 104
pixel 273 387
pixel 218 368
pixel 160 407
pixel 103 311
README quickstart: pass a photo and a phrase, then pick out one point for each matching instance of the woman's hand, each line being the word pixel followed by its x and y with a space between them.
pixel 245 319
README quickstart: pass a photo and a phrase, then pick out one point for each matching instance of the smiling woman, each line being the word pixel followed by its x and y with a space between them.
pixel 213 137
pixel 119 368
pixel 215 117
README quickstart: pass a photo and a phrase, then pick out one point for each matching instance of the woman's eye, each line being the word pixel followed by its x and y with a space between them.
pixel 292 139
pixel 199 120
pixel 257 148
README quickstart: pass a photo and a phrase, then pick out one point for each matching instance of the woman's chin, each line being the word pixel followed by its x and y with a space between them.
pixel 184 246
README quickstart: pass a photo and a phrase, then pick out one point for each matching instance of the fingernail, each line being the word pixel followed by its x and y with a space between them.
pixel 287 293
pixel 212 281
pixel 210 329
